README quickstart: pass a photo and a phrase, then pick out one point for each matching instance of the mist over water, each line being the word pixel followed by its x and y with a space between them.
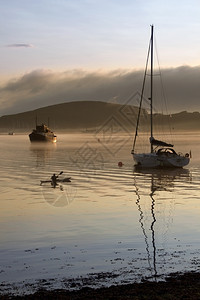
pixel 124 224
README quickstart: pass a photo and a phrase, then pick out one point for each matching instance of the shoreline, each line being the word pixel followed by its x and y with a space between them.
pixel 176 286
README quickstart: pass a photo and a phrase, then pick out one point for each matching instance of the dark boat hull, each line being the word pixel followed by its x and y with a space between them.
pixel 37 137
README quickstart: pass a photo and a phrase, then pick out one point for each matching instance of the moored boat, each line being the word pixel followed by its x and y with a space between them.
pixel 42 134
pixel 162 154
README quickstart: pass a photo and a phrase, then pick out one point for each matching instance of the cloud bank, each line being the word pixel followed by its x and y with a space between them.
pixel 41 88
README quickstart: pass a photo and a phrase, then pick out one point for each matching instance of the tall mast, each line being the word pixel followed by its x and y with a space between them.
pixel 151 91
pixel 143 88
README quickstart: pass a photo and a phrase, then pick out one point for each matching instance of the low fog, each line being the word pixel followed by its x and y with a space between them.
pixel 41 88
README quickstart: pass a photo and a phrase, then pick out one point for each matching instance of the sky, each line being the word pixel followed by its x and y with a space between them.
pixel 55 51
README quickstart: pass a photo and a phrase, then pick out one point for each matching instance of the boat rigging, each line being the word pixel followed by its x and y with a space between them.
pixel 162 154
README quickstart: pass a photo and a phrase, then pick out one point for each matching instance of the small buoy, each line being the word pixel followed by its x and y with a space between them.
pixel 120 164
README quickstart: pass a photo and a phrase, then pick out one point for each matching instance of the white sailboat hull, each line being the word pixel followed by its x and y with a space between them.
pixel 153 160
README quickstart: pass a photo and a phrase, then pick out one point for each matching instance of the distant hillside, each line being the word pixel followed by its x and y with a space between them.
pixel 81 115
pixel 89 115
pixel 180 121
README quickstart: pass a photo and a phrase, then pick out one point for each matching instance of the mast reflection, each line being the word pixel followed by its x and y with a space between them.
pixel 153 233
pixel 143 228
pixel 158 180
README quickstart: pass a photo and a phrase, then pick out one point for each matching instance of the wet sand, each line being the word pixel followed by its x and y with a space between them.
pixel 176 286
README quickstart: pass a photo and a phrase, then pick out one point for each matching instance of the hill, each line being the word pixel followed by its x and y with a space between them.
pixel 80 115
pixel 89 115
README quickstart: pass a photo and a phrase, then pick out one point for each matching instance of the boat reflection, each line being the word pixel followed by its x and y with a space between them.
pixel 164 179
pixel 42 152
pixel 156 215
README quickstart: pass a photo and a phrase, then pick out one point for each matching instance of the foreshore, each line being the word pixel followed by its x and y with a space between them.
pixel 177 286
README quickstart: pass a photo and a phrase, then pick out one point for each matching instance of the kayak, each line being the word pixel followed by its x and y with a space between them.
pixel 67 179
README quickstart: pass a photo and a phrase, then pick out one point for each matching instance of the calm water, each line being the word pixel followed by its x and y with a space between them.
pixel 108 225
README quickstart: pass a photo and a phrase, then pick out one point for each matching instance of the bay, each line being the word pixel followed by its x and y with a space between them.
pixel 109 225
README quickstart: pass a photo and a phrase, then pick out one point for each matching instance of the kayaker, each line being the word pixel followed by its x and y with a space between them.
pixel 54 180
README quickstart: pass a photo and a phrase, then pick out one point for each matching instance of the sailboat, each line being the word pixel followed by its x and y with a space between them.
pixel 162 154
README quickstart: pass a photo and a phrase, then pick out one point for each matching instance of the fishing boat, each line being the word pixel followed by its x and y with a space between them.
pixel 42 134
pixel 161 154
